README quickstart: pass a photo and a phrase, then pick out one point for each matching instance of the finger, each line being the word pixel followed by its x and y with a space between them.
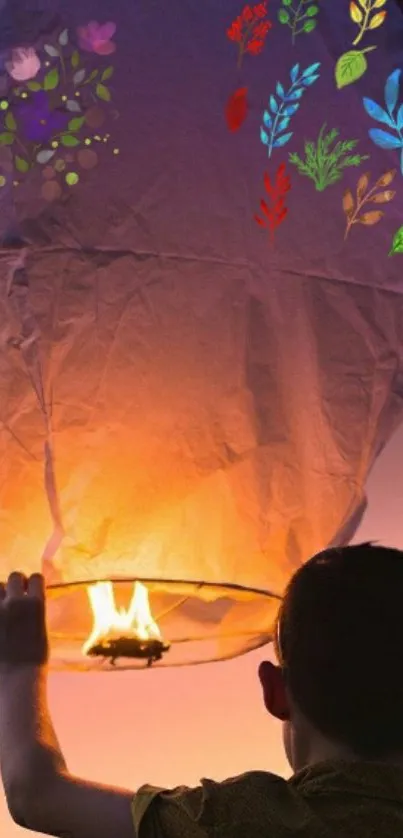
pixel 16 585
pixel 2 591
pixel 36 586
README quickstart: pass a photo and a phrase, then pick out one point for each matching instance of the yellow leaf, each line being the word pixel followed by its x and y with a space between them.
pixel 362 185
pixel 386 179
pixel 348 203
pixel 370 218
pixel 377 20
pixel 356 13
pixel 383 197
pixel 378 4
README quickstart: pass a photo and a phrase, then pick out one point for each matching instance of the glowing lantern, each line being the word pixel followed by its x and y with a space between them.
pixel 193 389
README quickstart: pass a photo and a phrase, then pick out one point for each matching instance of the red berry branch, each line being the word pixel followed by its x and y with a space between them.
pixel 249 30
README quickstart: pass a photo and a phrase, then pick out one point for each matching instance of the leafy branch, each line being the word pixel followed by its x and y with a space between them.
pixel 361 13
pixel 301 19
pixel 324 164
pixel 276 123
pixel 274 215
pixel 352 207
pixel 391 116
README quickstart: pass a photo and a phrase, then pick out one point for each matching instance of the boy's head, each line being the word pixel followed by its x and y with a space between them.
pixel 340 647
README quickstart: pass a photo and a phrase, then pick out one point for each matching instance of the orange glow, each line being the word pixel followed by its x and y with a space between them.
pixel 110 623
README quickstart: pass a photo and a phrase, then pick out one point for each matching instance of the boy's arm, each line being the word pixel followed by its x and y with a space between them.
pixel 40 792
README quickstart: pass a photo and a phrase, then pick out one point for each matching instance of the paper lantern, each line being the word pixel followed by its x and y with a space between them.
pixel 195 380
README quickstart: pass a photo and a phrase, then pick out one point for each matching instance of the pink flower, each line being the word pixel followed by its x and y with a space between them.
pixel 24 64
pixel 97 37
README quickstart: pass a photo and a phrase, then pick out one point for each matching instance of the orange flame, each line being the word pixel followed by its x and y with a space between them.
pixel 109 622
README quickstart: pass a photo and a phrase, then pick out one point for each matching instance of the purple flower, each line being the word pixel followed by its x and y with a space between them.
pixel 38 121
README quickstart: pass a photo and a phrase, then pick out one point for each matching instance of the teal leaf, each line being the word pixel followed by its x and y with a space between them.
pixel 376 112
pixel 313 68
pixel 69 141
pixel 392 90
pixel 264 137
pixel 384 140
pixel 294 73
pixel 6 138
pixel 45 155
pixel 103 92
pixel 267 119
pixel 52 51
pixel 399 118
pixel 51 80
pixel 64 38
pixel 107 74
pixel 283 140
pixel 283 124
pixel 76 123
pixel 20 164
pixel 280 90
pixel 273 104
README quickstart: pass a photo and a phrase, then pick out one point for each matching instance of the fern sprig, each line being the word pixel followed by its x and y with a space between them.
pixel 324 164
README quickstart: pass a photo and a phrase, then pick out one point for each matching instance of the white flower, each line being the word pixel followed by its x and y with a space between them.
pixel 24 64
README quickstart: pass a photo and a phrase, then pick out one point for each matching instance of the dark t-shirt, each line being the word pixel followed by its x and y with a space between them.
pixel 330 800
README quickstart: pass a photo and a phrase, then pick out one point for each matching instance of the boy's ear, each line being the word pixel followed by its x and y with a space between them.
pixel 274 692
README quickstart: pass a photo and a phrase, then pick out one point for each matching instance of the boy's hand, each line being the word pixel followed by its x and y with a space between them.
pixel 23 635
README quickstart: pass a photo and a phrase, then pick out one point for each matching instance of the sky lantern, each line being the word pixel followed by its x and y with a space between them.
pixel 201 356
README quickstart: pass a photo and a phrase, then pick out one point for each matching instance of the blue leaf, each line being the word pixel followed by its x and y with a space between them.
pixel 376 112
pixel 283 124
pixel 296 94
pixel 399 118
pixel 264 137
pixel 309 80
pixel 267 119
pixel 384 140
pixel 280 90
pixel 392 90
pixel 294 73
pixel 280 141
pixel 273 105
pixel 311 70
pixel 290 110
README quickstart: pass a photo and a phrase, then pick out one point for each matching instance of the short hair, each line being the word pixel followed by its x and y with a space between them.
pixel 341 639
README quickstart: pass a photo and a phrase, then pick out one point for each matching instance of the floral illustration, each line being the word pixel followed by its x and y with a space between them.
pixel 236 109
pixel 276 118
pixel 301 18
pixel 367 17
pixel 97 38
pixel 397 244
pixel 50 120
pixel 24 64
pixel 274 212
pixel 391 116
pixel 325 162
pixel 377 195
pixel 249 30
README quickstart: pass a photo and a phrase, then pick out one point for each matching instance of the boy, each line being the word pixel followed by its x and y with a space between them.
pixel 338 691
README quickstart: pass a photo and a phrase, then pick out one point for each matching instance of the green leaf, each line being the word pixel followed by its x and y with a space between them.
pixel 286 2
pixel 107 74
pixel 75 59
pixel 350 67
pixel 64 38
pixel 309 25
pixel 312 11
pixel 34 86
pixel 92 76
pixel 51 80
pixel 76 123
pixel 103 92
pixel 68 140
pixel 10 122
pixel 283 16
pixel 397 244
pixel 7 138
pixel 20 164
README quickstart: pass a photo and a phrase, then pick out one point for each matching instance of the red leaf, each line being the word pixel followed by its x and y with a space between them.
pixel 267 183
pixel 259 220
pixel 265 208
pixel 236 109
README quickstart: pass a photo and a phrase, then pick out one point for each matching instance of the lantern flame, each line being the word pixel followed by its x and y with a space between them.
pixel 136 622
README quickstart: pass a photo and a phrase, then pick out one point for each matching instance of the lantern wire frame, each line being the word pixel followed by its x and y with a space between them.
pixel 199 622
